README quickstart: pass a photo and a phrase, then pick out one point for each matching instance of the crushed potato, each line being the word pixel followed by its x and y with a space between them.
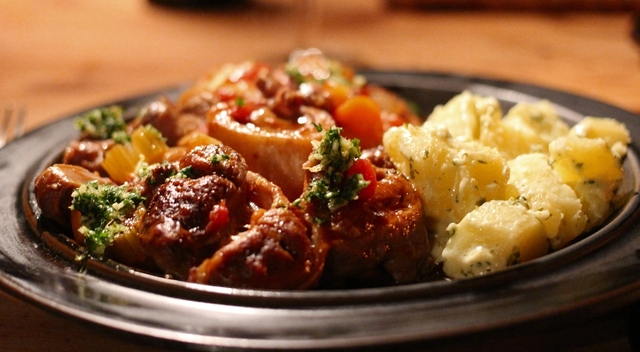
pixel 491 237
pixel 452 176
pixel 501 190
pixel 553 203
pixel 592 170
pixel 466 115
pixel 614 133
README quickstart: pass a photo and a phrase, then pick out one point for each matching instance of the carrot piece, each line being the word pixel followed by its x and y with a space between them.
pixel 359 117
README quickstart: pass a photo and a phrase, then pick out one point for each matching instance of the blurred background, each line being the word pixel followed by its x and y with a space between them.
pixel 58 57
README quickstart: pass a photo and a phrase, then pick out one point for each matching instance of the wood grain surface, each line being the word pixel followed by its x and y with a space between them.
pixel 61 56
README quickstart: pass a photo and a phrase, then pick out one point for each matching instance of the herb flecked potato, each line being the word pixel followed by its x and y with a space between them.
pixel 503 190
pixel 453 176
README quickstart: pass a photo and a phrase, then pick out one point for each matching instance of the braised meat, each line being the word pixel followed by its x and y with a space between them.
pixel 276 252
pixel 190 217
pixel 378 157
pixel 54 186
pixel 215 159
pixel 266 112
pixel 181 228
pixel 172 122
pixel 385 235
pixel 214 187
pixel 263 150
pixel 87 153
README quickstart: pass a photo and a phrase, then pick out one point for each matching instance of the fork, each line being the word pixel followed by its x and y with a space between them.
pixel 12 123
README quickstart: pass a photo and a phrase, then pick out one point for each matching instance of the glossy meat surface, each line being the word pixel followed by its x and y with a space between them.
pixel 384 237
pixel 276 252
pixel 220 203
pixel 88 154
pixel 54 186
pixel 178 231
pixel 175 231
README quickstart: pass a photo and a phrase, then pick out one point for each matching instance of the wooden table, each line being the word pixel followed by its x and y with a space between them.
pixel 60 56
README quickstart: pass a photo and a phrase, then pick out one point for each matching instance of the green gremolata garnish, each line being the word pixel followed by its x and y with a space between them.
pixel 218 158
pixel 104 123
pixel 104 208
pixel 333 154
pixel 186 172
pixel 330 160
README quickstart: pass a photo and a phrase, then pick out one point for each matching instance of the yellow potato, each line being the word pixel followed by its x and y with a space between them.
pixel 502 190
pixel 592 170
pixel 553 203
pixel 495 235
pixel 527 128
pixel 464 114
pixel 614 133
pixel 452 176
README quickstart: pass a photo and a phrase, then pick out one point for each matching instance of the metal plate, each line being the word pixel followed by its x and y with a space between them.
pixel 595 275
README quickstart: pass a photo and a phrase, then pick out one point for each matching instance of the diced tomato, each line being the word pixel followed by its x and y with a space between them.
pixel 252 73
pixel 368 172
pixel 359 117
pixel 226 92
pixel 242 113
pixel 218 217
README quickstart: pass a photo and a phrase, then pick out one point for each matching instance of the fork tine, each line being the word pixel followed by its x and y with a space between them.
pixel 18 126
pixel 12 125
pixel 4 128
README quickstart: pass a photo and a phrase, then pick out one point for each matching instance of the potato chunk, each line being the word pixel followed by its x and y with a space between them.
pixel 527 128
pixel 592 170
pixel 452 176
pixel 552 202
pixel 500 190
pixel 464 115
pixel 613 132
pixel 491 237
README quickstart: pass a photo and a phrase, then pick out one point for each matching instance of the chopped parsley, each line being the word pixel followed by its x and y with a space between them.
pixel 514 257
pixel 186 172
pixel 218 158
pixel 329 162
pixel 104 123
pixel 334 154
pixel 104 209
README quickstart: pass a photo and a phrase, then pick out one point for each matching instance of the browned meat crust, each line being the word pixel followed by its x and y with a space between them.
pixel 276 252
